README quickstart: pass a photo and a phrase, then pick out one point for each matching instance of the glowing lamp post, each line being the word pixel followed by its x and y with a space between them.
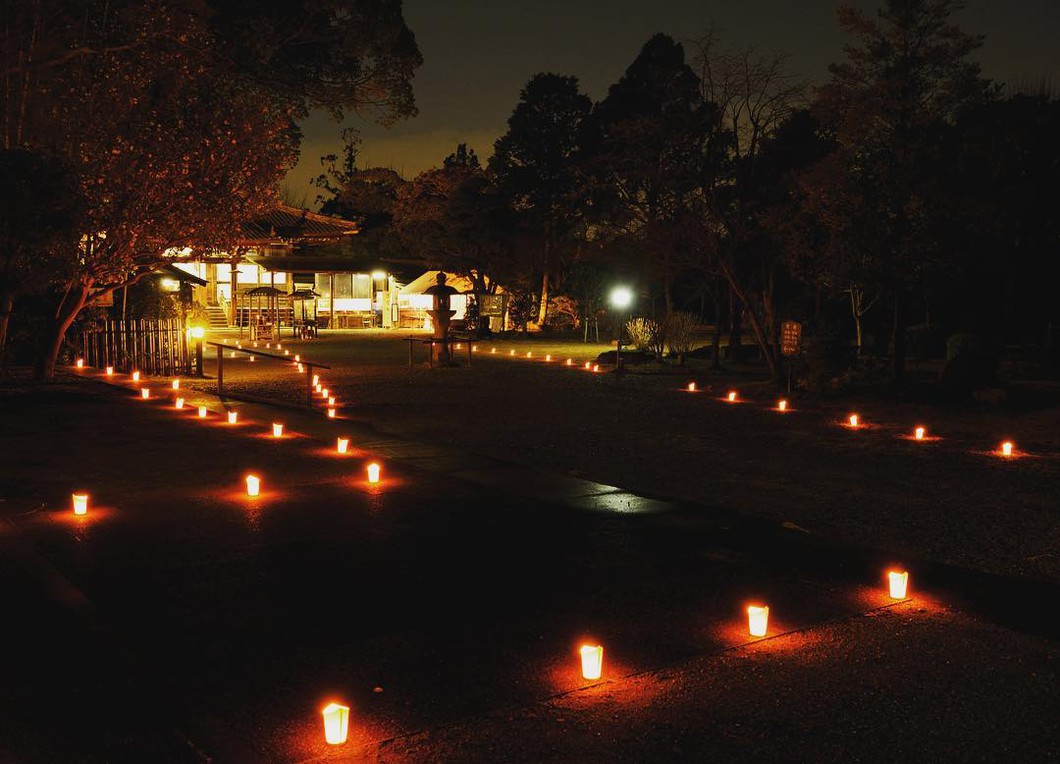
pixel 80 501
pixel 782 405
pixel 1006 448
pixel 253 485
pixel 232 417
pixel 758 620
pixel 178 403
pixel 919 433
pixel 342 445
pixel 621 298
pixel 110 371
pixel 373 473
pixel 136 376
pixel 592 661
pixel 897 583
pixel 145 392
pixel 336 723
pixel 277 430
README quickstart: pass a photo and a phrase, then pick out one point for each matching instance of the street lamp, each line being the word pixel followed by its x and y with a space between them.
pixel 621 299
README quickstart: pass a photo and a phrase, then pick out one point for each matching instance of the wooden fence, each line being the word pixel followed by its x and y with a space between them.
pixel 152 346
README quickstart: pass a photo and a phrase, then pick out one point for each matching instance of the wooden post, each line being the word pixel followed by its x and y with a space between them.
pixel 220 372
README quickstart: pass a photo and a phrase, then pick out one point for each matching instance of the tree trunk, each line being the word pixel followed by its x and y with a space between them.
pixel 542 310
pixel 7 305
pixel 898 340
pixel 855 308
pixel 73 301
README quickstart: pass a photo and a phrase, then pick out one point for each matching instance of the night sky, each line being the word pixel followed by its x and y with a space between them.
pixel 478 55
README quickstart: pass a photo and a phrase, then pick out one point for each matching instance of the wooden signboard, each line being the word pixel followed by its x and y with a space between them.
pixel 790 335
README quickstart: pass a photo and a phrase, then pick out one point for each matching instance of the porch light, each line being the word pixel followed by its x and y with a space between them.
pixel 592 661
pixel 373 472
pixel 758 620
pixel 253 485
pixel 342 445
pixel 80 501
pixel 897 583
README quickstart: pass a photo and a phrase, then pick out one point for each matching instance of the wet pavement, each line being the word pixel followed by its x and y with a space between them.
pixel 184 621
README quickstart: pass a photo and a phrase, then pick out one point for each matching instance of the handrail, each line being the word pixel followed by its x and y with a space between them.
pixel 309 366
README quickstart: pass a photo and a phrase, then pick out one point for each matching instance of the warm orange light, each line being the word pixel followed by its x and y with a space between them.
pixel 297 358
pixel 251 359
pixel 331 413
pixel 596 367
pixel 529 354
pixel 324 393
pixel 253 485
pixel 897 583
pixel 202 412
pixel 474 348
pixel 278 346
pixel 592 661
pixel 373 473
pixel 300 369
pixel 731 396
pixel 493 350
pixel 758 620
pixel 232 416
pixel 853 420
pixel 1006 448
pixel 145 392
pixel 782 405
pixel 136 376
pixel 316 381
pixel 175 384
pixel 588 365
pixel 331 401
pixel 268 345
pixel 342 445
pixel 178 403
pixel 570 361
pixel 255 343
pixel 691 387
pixel 80 363
pixel 336 723
pixel 548 357
pixel 457 346
pixel 511 352
pixel 286 352
pixel 919 433
pixel 80 503
pixel 277 430
pixel 110 371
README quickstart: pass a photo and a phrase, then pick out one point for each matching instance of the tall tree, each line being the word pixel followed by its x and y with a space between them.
pixel 535 164
pixel 892 104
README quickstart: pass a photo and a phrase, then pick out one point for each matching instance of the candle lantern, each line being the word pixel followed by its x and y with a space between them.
pixel 897 583
pixel 596 367
pixel 136 376
pixel 1006 448
pixel 548 357
pixel 331 401
pixel 316 381
pixel 570 361
pixel 253 485
pixel 297 357
pixel 232 416
pixel 592 661
pixel 458 346
pixel 336 723
pixel 80 503
pixel 853 420
pixel 758 620
pixel 110 371
pixel 588 366
pixel 342 445
pixel 145 392
pixel 251 359
pixel 493 350
pixel 474 348
pixel 178 403
pixel 373 473
pixel 202 412
pixel 176 384
pixel 731 396
pixel 782 405
pixel 277 430
pixel 691 387
pixel 919 433
pixel 331 413
pixel 529 354
pixel 324 393
pixel 80 363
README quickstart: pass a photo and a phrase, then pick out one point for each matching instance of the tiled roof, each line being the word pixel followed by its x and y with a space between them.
pixel 284 223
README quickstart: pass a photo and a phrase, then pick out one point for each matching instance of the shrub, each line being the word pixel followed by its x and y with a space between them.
pixel 680 334
pixel 639 331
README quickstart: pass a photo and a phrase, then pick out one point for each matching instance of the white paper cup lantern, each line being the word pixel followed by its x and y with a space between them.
pixel 897 583
pixel 342 445
pixel 853 420
pixel 110 371
pixel 592 661
pixel 145 392
pixel 253 485
pixel 919 433
pixel 202 412
pixel 731 397
pixel 178 403
pixel 80 502
pixel 758 620
pixel 233 416
pixel 331 413
pixel 336 723
pixel 373 472
pixel 691 387
pixel 136 376
pixel 277 430
pixel 80 363
pixel 175 384
pixel 1006 448
pixel 782 405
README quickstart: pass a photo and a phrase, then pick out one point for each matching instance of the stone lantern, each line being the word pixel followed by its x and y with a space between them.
pixel 441 315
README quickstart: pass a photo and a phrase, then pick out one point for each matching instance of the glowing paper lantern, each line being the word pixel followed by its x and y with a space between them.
pixel 268 345
pixel 251 359
pixel 897 583
pixel 178 403
pixel 278 346
pixel 373 473
pixel 277 430
pixel 324 393
pixel 548 357
pixel 253 485
pixel 232 416
pixel 80 363
pixel 458 346
pixel 255 344
pixel 286 352
pixel 202 412
pixel 136 376
pixel 110 371
pixel 297 358
pixel 511 352
pixel 596 367
pixel 300 369
pixel 331 401
pixel 316 381
pixel 782 405
pixel 570 361
pixel 592 661
pixel 342 445
pixel 731 396
pixel 691 387
pixel 758 620
pixel 919 433
pixel 145 392
pixel 529 354
pixel 1006 448
pixel 588 365
pixel 331 413
pixel 474 348
pixel 853 420
pixel 80 503
pixel 336 723
pixel 176 384
pixel 493 350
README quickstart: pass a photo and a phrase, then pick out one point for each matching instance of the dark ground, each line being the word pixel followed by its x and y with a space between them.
pixel 184 622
